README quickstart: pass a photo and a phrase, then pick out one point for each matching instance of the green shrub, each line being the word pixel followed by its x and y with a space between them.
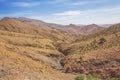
pixel 87 77
pixel 92 77
pixel 109 78
pixel 102 41
pixel 80 77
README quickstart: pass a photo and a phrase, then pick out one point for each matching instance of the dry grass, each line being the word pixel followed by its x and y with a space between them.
pixel 28 62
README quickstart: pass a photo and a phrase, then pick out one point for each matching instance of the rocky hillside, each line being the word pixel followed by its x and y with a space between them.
pixel 97 53
pixel 29 57
pixel 89 29
pixel 13 25
pixel 36 50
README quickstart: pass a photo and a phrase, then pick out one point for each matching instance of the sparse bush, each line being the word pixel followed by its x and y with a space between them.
pixel 32 45
pixel 94 44
pixel 81 57
pixel 80 77
pixel 27 44
pixel 92 77
pixel 102 41
pixel 87 77
pixel 49 47
pixel 109 78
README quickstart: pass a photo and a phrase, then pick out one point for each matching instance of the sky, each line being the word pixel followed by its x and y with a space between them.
pixel 64 11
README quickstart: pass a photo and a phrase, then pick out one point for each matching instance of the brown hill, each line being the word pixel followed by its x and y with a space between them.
pixel 97 53
pixel 88 29
pixel 29 52
pixel 13 25
pixel 75 29
pixel 84 30
pixel 29 57
pixel 39 23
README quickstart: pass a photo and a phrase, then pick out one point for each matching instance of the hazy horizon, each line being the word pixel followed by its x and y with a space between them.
pixel 102 25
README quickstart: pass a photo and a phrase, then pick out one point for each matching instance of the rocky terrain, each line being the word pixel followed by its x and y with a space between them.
pixel 35 50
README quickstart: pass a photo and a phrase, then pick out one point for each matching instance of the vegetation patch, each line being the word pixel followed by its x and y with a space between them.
pixel 92 77
pixel 28 44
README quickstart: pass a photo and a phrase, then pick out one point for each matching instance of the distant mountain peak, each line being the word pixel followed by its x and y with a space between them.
pixel 23 18
pixel 93 25
pixel 71 24
pixel 5 18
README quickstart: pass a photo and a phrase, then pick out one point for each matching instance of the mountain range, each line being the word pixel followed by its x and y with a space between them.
pixel 86 29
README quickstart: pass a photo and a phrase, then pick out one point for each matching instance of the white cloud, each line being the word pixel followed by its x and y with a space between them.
pixel 98 16
pixel 25 4
pixel 87 2
pixel 68 13
pixel 75 3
